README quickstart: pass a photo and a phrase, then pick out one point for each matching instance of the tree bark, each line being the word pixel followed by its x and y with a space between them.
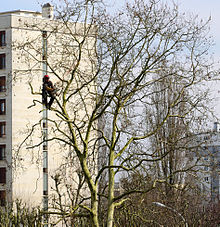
pixel 110 214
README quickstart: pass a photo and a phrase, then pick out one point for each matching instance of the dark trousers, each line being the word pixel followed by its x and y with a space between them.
pixel 44 99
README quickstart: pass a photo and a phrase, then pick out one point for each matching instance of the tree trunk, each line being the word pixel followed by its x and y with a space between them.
pixel 94 208
pixel 93 191
pixel 110 214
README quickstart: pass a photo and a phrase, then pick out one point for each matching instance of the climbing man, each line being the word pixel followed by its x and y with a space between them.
pixel 48 90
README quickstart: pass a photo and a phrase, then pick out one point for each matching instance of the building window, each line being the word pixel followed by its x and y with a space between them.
pixel 2 84
pixel 2 129
pixel 2 38
pixel 2 152
pixel 2 175
pixel 2 61
pixel 2 198
pixel 2 106
pixel 206 179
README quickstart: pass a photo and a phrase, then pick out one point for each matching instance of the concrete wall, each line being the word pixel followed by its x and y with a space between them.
pixel 24 66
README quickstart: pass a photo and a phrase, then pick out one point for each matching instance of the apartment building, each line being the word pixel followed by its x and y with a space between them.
pixel 21 162
pixel 208 161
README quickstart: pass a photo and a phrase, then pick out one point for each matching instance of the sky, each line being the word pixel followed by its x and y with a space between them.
pixel 10 5
pixel 204 8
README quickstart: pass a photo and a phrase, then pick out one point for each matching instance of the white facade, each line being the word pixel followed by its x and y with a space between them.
pixel 23 167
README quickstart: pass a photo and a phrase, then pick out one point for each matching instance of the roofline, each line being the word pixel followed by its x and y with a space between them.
pixel 19 11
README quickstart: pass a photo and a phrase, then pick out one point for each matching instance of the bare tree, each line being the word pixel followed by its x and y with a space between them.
pixel 19 213
pixel 108 68
pixel 174 140
pixel 185 207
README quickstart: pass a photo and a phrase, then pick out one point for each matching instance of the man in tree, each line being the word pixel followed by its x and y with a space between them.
pixel 111 69
pixel 48 90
